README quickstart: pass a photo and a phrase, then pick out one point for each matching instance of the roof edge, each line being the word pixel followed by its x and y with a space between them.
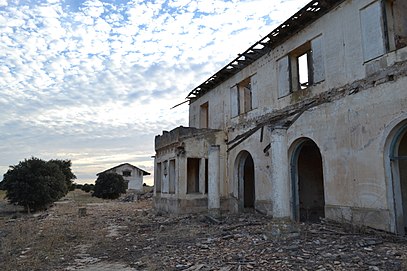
pixel 301 19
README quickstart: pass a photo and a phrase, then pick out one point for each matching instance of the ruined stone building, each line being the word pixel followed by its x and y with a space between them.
pixel 309 122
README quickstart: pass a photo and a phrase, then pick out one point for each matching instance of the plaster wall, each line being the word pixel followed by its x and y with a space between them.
pixel 350 129
pixel 342 54
pixel 135 180
pixel 196 146
pixel 350 134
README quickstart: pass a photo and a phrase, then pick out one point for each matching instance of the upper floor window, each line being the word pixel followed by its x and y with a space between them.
pixel 243 96
pixel 204 115
pixel 396 19
pixel 126 173
pixel 301 68
pixel 384 27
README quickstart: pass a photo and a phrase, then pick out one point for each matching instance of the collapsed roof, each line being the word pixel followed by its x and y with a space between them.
pixel 304 17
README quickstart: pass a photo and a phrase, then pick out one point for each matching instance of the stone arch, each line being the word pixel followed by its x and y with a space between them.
pixel 307 181
pixel 244 174
pixel 395 155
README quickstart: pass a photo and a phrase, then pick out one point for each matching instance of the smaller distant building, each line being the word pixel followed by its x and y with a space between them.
pixel 132 174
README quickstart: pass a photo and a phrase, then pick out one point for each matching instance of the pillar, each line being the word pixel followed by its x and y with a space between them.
pixel 280 184
pixel 202 173
pixel 213 180
pixel 181 181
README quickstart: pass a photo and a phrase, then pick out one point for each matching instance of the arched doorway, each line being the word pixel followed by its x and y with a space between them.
pixel 398 162
pixel 308 182
pixel 246 180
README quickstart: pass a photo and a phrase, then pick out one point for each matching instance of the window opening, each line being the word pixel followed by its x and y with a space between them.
pixel 165 180
pixel 396 23
pixel 157 178
pixel 301 67
pixel 303 70
pixel 204 115
pixel 245 91
pixel 193 175
pixel 172 176
pixel 126 173
pixel 248 177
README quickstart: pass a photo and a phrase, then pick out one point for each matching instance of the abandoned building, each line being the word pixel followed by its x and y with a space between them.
pixel 131 174
pixel 309 122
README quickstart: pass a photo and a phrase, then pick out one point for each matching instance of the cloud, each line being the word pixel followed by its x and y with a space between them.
pixel 93 81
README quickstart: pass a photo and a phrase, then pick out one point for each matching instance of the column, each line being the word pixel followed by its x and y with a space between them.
pixel 213 180
pixel 181 181
pixel 280 184
pixel 202 176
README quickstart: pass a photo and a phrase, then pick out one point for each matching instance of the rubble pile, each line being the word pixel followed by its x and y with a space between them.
pixel 132 235
pixel 252 242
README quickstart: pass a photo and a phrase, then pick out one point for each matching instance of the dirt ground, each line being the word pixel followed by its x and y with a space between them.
pixel 118 235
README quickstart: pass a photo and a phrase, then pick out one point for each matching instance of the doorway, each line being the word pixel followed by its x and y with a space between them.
pixel 246 180
pixel 398 162
pixel 308 182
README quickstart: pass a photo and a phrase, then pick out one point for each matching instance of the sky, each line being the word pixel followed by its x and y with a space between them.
pixel 94 81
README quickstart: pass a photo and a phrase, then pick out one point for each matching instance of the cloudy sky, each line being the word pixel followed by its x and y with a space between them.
pixel 93 81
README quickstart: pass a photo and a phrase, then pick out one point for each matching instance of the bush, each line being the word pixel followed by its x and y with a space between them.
pixel 88 187
pixel 35 183
pixel 109 186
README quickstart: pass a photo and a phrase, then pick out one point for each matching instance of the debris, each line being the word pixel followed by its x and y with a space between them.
pixel 132 235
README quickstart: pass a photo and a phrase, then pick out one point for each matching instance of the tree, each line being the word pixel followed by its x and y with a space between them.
pixel 88 187
pixel 35 183
pixel 65 167
pixel 109 186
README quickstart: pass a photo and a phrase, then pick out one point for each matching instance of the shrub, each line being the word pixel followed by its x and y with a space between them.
pixel 35 183
pixel 77 185
pixel 109 186
pixel 88 187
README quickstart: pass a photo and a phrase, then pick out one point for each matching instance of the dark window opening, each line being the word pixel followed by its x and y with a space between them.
pixel 245 93
pixel 172 176
pixel 158 178
pixel 126 173
pixel 204 115
pixel 241 97
pixel 248 177
pixel 396 23
pixel 193 175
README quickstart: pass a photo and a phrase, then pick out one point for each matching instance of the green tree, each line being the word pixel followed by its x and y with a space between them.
pixel 34 183
pixel 88 187
pixel 109 186
pixel 65 167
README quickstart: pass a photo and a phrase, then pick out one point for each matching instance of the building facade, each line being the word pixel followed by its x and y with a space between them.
pixel 131 174
pixel 309 122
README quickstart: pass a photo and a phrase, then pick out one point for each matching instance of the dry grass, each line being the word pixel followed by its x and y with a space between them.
pixel 81 197
pixel 130 233
pixel 48 240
